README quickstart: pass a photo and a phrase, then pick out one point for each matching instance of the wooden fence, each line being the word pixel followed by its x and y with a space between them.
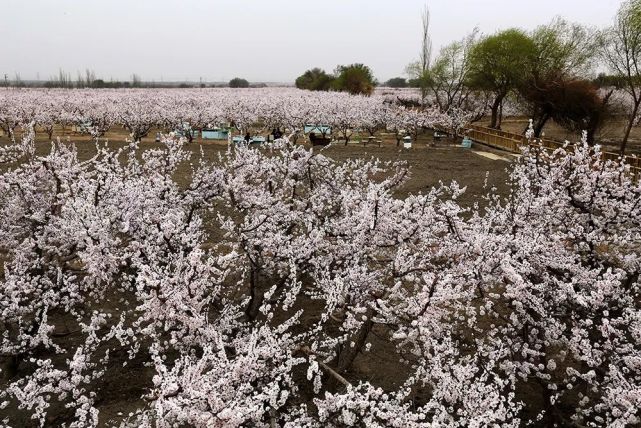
pixel 513 142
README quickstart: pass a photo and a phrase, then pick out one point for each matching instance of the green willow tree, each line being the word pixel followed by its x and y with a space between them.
pixel 558 70
pixel 621 51
pixel 497 65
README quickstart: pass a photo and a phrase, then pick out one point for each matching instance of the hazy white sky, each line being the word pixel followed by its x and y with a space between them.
pixel 261 40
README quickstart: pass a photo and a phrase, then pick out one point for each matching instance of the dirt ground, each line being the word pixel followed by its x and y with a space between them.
pixel 431 165
pixel 430 161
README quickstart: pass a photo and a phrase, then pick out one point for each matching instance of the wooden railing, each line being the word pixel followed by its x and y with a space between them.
pixel 513 142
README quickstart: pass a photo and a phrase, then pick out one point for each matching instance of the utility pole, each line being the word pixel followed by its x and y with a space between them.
pixel 6 80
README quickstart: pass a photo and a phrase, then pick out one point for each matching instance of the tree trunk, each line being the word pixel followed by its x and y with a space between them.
pixel 9 366
pixel 628 128
pixel 549 417
pixel 591 133
pixel 256 295
pixel 539 124
pixel 496 105
pixel 348 353
pixel 423 92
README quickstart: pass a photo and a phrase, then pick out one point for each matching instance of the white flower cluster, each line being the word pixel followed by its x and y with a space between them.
pixel 183 110
pixel 259 292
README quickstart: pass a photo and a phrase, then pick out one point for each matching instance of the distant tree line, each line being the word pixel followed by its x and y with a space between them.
pixel 64 79
pixel 353 78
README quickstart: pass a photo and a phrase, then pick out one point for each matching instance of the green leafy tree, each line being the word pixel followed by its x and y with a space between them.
pixel 237 82
pixel 355 79
pixel 498 64
pixel 396 82
pixel 564 48
pixel 447 79
pixel 414 82
pixel 621 50
pixel 315 79
pixel 563 56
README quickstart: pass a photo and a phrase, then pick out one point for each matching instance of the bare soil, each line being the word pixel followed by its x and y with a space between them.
pixel 430 161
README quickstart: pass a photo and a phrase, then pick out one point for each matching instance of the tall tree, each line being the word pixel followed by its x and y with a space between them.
pixel 563 56
pixel 426 48
pixel 497 65
pixel 419 70
pixel 622 52
pixel 447 78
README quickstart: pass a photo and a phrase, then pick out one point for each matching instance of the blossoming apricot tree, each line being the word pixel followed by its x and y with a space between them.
pixel 258 293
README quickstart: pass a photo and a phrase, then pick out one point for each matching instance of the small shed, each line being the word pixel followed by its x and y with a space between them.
pixel 82 127
pixel 215 134
pixel 183 132
pixel 317 129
